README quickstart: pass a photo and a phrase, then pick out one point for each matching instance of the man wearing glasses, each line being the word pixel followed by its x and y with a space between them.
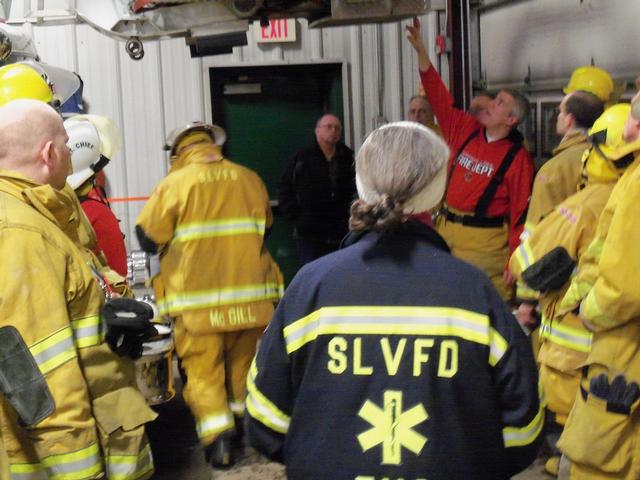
pixel 316 190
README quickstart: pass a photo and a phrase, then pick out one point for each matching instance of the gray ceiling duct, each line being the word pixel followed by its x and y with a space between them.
pixel 351 12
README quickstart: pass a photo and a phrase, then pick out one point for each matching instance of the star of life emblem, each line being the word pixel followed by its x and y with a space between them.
pixel 392 428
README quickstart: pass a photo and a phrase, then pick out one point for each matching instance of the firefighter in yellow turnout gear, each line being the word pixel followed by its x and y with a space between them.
pixel 559 177
pixel 52 298
pixel 547 258
pixel 208 219
pixel 600 437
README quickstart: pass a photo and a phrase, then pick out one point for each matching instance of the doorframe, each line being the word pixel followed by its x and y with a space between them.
pixel 347 130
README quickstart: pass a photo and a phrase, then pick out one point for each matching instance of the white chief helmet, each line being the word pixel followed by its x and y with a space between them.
pixel 93 140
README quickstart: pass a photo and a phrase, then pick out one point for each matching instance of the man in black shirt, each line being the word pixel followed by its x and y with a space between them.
pixel 316 190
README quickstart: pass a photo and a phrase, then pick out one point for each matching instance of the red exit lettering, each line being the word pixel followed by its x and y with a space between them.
pixel 277 28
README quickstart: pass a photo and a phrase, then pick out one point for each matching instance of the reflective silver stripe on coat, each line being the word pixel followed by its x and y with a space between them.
pixel 82 464
pixel 467 325
pixel 54 350
pixel 87 331
pixel 127 467
pixel 214 424
pixel 218 297
pixel 218 228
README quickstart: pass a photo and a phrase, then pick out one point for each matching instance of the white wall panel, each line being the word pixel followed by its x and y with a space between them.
pixel 392 63
pixel 143 106
pixel 56 45
pixel 182 76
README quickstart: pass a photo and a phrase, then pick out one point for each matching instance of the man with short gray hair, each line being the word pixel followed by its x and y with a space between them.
pixel 490 174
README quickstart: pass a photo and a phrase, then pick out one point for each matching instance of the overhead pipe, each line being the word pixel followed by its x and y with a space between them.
pixel 459 58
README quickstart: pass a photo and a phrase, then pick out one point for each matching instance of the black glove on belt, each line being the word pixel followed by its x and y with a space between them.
pixel 619 395
pixel 128 325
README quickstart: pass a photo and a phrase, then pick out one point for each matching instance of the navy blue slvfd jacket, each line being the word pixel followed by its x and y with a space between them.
pixel 392 359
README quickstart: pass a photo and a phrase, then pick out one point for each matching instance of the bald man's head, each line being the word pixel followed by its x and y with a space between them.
pixel 33 142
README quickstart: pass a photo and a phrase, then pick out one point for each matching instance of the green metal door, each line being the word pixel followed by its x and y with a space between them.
pixel 269 113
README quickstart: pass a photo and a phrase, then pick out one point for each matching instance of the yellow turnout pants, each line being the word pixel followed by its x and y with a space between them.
pixel 602 445
pixel 216 367
pixel 486 248
pixel 560 390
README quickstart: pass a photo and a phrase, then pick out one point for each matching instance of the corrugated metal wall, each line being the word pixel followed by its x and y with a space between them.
pixel 167 88
pixel 552 37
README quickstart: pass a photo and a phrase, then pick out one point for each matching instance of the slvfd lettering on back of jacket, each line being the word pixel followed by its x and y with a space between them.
pixel 209 216
pixel 391 359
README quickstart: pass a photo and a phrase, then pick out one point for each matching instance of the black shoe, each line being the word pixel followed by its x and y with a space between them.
pixel 220 454
pixel 237 437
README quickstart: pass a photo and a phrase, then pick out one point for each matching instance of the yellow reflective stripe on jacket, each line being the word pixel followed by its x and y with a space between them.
pixel 261 408
pixel 217 297
pixel 576 292
pixel 570 337
pixel 524 256
pixel 595 248
pixel 527 231
pixel 541 394
pixel 87 331
pixel 592 312
pixel 79 465
pixel 579 289
pixel 444 321
pixel 218 228
pixel 523 292
pixel 214 424
pixel 521 436
pixel 497 347
pixel 129 467
pixel 54 350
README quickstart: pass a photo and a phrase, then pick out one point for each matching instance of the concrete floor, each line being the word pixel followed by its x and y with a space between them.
pixel 178 455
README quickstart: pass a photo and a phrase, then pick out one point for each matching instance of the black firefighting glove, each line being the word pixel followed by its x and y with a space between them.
pixel 622 395
pixel 619 395
pixel 551 272
pixel 599 386
pixel 128 326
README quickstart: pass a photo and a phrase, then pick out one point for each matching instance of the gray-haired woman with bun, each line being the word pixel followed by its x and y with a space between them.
pixel 390 358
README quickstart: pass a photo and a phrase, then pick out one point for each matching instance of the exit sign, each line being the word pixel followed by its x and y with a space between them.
pixel 278 30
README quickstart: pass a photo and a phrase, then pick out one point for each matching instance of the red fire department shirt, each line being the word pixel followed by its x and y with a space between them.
pixel 110 238
pixel 479 161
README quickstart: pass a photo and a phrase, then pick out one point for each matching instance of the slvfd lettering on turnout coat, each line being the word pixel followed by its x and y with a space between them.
pixel 211 217
pixel 390 358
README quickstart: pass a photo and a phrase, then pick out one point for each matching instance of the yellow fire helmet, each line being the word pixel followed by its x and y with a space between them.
pixel 20 81
pixel 591 79
pixel 609 154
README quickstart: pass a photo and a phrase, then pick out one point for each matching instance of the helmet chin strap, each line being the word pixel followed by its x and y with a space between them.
pixel 100 164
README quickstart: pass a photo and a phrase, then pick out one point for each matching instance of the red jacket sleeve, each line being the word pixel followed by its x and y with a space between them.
pixel 110 238
pixel 456 124
pixel 519 180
